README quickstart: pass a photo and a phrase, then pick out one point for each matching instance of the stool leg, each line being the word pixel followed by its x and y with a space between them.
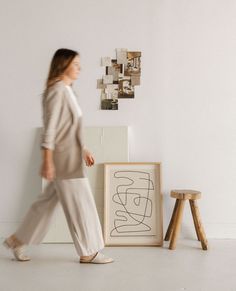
pixel 199 225
pixel 177 224
pixel 171 224
pixel 194 220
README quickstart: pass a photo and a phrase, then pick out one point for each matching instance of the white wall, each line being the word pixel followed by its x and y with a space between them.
pixel 183 113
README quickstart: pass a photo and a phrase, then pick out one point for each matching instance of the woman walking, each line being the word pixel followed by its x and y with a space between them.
pixel 64 156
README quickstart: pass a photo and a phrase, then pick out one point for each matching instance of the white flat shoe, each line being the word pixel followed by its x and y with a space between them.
pixel 18 252
pixel 99 258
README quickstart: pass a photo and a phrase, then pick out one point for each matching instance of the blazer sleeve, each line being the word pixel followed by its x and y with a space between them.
pixel 52 107
pixel 81 129
pixel 81 134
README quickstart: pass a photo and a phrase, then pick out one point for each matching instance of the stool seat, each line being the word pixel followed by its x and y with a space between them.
pixel 175 222
pixel 185 194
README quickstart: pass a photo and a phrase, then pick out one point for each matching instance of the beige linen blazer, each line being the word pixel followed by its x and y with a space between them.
pixel 63 132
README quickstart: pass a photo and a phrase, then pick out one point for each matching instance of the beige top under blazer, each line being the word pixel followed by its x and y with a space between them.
pixel 63 132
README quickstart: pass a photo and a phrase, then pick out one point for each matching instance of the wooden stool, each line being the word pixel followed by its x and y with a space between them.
pixel 175 222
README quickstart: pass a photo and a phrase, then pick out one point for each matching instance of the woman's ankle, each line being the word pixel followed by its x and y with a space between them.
pixel 88 257
pixel 14 242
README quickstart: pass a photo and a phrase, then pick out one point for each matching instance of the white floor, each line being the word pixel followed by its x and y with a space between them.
pixel 56 267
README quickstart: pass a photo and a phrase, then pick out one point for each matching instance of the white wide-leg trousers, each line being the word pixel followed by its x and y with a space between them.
pixel 80 210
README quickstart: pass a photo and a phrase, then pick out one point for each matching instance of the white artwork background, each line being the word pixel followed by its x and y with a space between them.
pixel 134 204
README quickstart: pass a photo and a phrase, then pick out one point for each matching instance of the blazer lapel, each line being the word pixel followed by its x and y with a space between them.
pixel 69 100
pixel 71 104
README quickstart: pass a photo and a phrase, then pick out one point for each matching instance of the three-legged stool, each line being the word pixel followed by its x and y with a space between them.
pixel 175 222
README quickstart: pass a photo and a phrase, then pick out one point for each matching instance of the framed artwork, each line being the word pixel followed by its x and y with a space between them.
pixel 133 204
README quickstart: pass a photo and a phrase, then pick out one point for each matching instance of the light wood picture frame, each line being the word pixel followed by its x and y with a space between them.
pixel 133 212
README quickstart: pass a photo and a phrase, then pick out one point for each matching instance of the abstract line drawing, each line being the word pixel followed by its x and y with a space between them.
pixel 132 203
pixel 131 197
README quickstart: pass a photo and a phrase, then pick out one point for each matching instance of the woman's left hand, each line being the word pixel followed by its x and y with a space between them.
pixel 89 160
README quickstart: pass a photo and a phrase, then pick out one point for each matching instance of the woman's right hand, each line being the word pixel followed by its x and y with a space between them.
pixel 48 170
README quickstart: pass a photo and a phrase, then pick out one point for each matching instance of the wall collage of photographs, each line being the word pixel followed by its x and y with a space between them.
pixel 121 75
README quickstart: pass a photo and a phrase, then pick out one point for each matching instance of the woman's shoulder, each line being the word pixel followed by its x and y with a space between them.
pixel 57 87
pixel 55 91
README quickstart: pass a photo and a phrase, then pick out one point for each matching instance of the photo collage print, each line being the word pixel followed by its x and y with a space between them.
pixel 121 75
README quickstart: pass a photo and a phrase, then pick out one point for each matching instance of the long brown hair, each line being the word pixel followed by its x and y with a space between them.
pixel 59 63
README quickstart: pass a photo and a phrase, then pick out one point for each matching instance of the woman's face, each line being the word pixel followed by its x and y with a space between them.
pixel 73 70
